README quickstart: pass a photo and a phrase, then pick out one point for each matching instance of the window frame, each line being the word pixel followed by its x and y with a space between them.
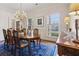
pixel 49 25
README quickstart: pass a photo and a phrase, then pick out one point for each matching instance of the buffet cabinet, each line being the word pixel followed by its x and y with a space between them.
pixel 67 50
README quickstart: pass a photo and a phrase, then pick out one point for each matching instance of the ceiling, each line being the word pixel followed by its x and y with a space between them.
pixel 24 6
pixel 27 6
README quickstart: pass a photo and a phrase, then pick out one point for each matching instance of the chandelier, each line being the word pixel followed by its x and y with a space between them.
pixel 20 14
pixel 74 9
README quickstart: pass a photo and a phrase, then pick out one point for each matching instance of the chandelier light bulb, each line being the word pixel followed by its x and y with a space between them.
pixel 20 15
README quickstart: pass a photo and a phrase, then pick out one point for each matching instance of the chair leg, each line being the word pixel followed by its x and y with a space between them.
pixel 4 45
pixel 34 43
pixel 12 49
pixel 20 51
pixel 39 43
pixel 14 52
pixel 28 50
pixel 29 47
pixel 7 47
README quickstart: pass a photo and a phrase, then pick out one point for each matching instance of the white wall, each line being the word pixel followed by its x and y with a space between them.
pixel 4 20
pixel 45 12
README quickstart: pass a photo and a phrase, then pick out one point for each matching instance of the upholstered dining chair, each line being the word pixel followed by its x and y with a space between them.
pixel 19 44
pixel 29 33
pixel 36 34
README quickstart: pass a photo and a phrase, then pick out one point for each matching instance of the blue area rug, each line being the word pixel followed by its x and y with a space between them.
pixel 44 50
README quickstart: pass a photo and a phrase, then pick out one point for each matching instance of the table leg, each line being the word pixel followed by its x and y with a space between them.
pixel 29 46
pixel 39 43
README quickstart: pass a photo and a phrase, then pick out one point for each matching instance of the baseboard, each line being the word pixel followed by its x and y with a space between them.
pixel 48 40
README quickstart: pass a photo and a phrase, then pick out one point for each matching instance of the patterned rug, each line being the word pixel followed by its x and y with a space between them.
pixel 44 50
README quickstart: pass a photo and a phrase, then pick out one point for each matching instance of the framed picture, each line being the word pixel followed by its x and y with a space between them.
pixel 40 21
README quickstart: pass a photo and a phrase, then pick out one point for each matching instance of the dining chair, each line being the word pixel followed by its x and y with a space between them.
pixel 19 44
pixel 5 38
pixel 36 34
pixel 10 41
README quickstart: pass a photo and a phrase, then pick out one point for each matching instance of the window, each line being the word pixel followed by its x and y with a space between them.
pixel 53 26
